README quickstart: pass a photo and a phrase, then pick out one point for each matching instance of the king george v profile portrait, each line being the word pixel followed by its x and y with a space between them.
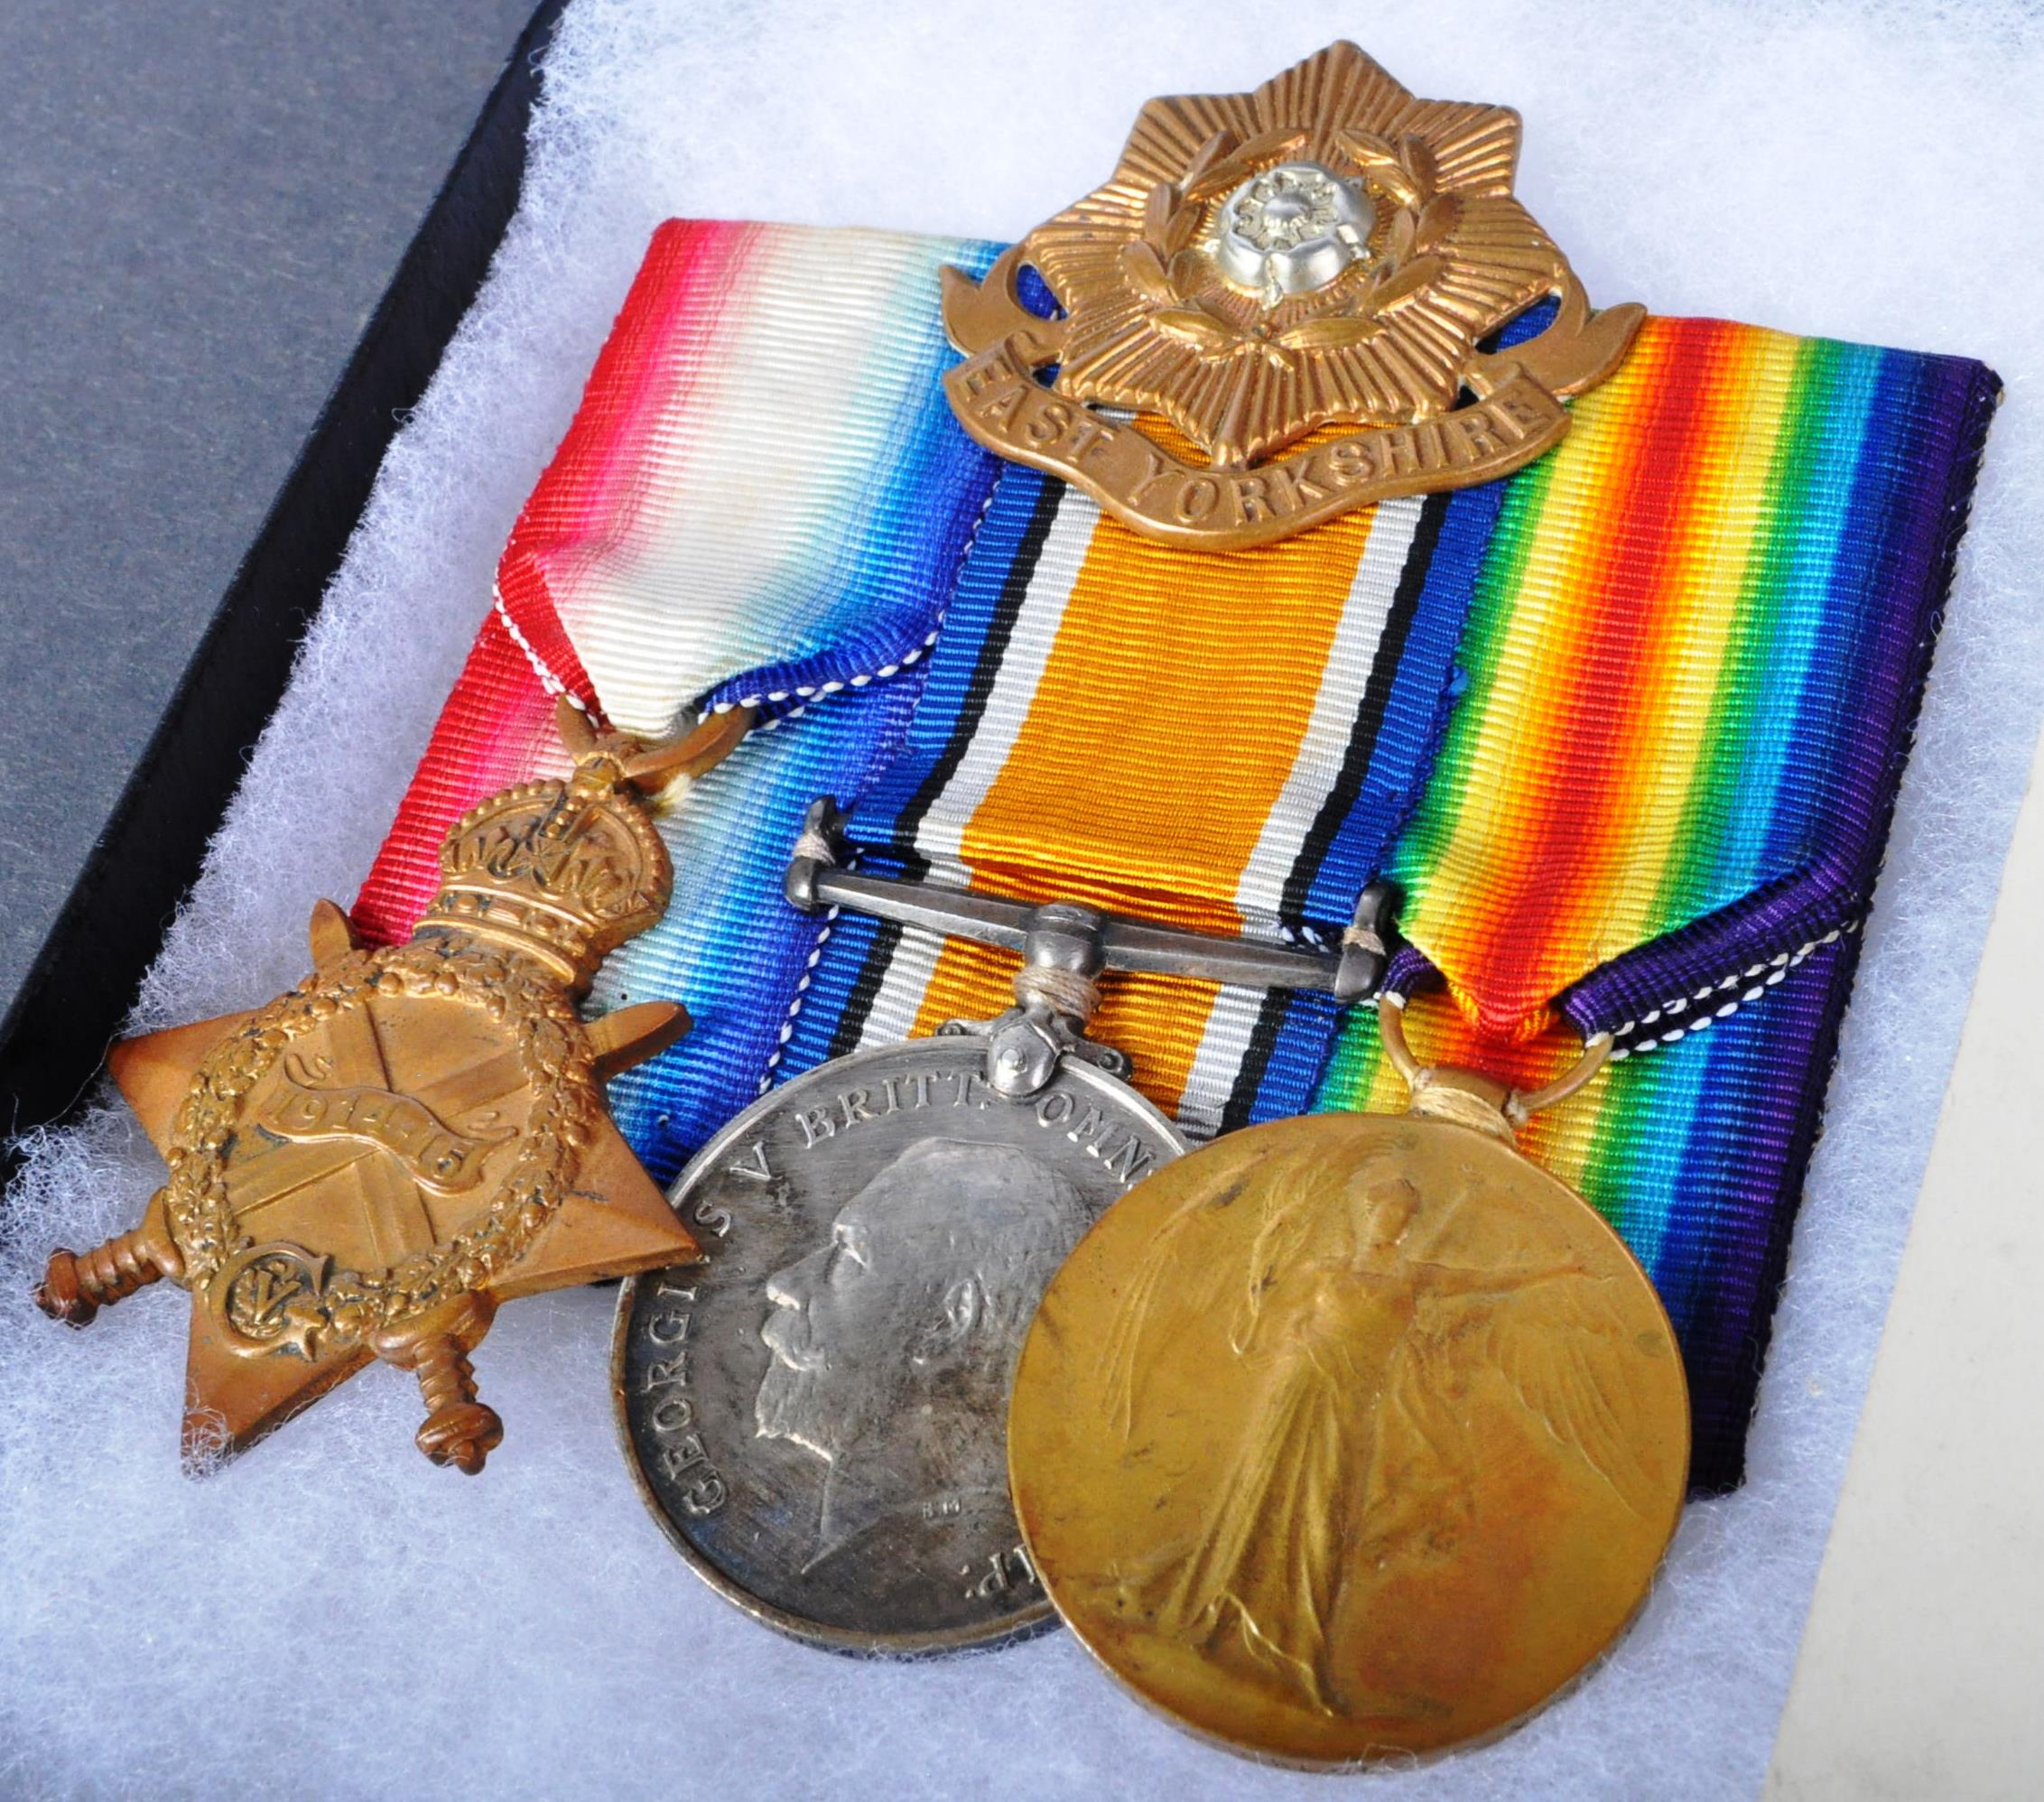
pixel 894 1343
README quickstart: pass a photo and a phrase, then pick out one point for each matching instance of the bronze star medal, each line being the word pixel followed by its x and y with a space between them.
pixel 366 1167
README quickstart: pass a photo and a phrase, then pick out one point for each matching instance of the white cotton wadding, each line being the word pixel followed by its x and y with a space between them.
pixel 331 1616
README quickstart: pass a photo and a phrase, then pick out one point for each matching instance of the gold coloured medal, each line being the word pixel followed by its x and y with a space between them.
pixel 1353 1435
pixel 366 1167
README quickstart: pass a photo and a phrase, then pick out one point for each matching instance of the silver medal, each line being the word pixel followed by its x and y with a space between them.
pixel 817 1414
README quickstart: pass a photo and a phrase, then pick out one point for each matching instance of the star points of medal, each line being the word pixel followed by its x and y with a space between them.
pixel 1326 94
pixel 153 1070
pixel 614 1222
pixel 1339 105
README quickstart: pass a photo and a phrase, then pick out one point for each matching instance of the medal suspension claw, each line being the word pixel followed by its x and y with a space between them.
pixel 1055 995
pixel 78 1284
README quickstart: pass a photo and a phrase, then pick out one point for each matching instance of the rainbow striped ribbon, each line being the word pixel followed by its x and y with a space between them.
pixel 1693 662
pixel 763 497
pixel 1693 667
pixel 1690 643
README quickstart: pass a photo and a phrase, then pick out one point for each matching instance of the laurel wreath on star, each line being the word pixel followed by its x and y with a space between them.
pixel 346 1307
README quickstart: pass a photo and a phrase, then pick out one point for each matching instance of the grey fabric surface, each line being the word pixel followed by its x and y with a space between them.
pixel 200 204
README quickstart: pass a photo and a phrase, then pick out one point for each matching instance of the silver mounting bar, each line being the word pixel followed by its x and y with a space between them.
pixel 815 880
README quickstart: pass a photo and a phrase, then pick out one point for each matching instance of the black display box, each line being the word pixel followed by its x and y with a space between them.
pixel 85 978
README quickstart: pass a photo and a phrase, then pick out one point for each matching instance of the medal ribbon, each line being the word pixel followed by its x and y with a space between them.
pixel 1696 644
pixel 1697 650
pixel 764 498
pixel 1130 726
pixel 1694 638
pixel 1710 841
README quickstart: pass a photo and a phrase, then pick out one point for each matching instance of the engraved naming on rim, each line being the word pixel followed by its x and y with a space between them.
pixel 817 1413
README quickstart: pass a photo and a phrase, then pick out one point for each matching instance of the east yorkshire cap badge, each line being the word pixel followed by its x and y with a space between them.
pixel 1294 291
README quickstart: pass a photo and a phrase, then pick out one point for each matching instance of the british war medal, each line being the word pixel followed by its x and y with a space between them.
pixel 817 1412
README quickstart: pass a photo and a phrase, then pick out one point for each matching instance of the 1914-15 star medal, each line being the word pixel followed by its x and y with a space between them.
pixel 366 1168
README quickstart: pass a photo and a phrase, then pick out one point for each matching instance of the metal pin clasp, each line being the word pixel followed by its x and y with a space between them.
pixel 1064 948
pixel 1055 998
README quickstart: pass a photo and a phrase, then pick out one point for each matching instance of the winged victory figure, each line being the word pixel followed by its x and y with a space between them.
pixel 1371 1316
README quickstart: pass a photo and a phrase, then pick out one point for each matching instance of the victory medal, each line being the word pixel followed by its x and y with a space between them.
pixel 366 1167
pixel 1352 1435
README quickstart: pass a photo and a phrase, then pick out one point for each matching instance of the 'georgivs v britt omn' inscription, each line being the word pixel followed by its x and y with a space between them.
pixel 1120 1148
pixel 817 1415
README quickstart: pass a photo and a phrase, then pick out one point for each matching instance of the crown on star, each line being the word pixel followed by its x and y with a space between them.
pixel 562 872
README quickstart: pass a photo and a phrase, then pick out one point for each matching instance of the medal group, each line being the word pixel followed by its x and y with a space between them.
pixel 1263 823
